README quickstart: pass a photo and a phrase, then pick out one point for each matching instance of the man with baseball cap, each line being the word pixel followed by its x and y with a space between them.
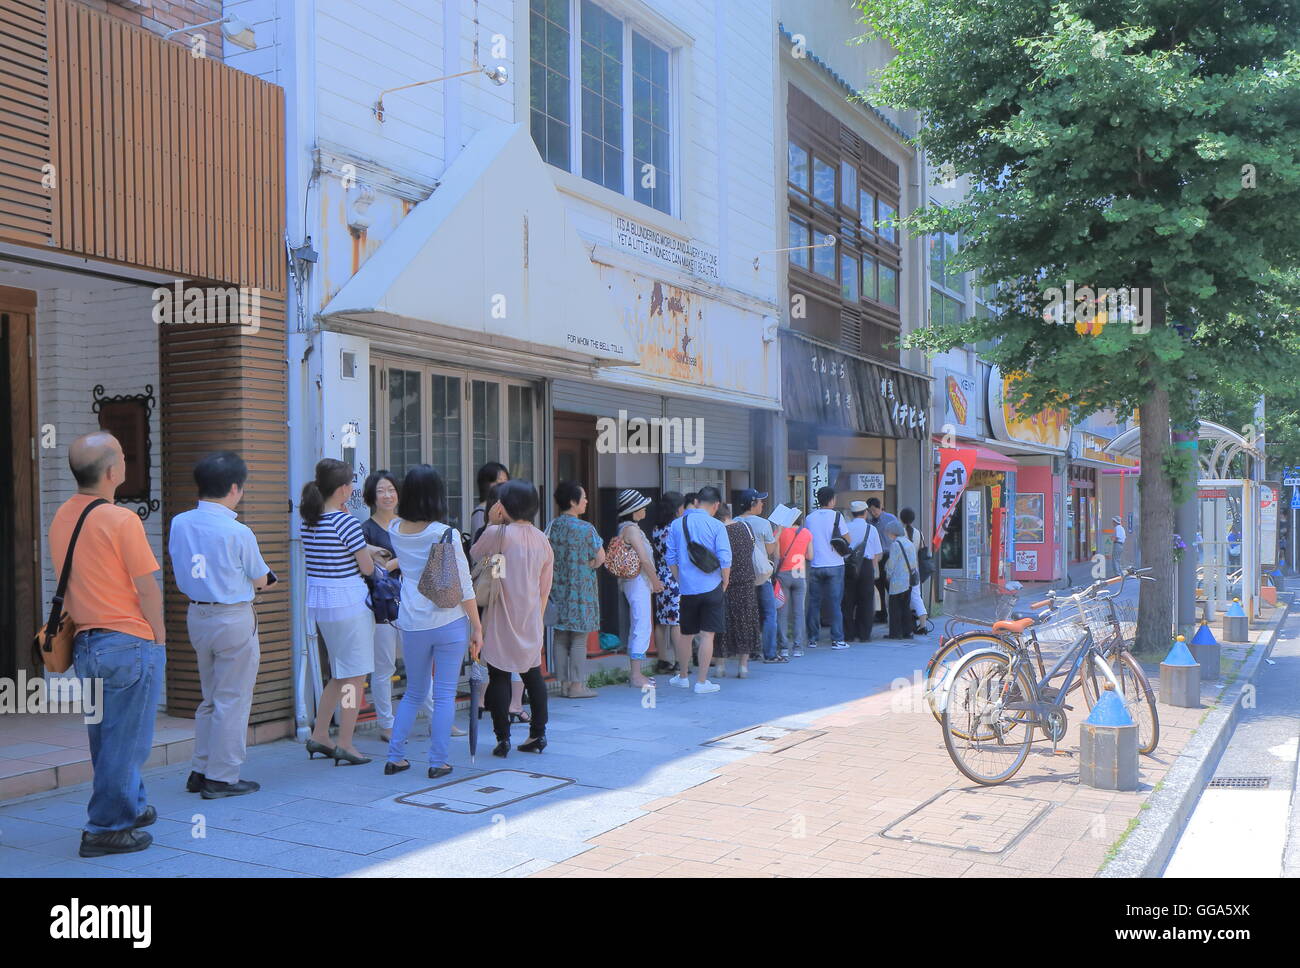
pixel 860 574
pixel 749 507
pixel 1117 544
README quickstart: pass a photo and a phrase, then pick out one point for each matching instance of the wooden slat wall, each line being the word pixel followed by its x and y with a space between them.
pixel 164 160
pixel 225 390
pixel 26 214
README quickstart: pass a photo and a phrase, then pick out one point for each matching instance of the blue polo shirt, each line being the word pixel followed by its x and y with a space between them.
pixel 708 531
pixel 215 558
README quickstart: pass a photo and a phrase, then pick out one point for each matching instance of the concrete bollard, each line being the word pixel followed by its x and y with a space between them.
pixel 1108 745
pixel 1180 678
pixel 1236 624
pixel 1205 649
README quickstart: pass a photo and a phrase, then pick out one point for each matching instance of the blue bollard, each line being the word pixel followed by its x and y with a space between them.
pixel 1180 678
pixel 1108 745
pixel 1205 649
pixel 1236 624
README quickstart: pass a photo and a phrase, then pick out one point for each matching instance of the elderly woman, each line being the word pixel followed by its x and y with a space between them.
pixel 898 574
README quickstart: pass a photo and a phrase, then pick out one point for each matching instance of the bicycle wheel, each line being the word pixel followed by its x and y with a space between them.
pixel 987 742
pixel 1139 698
pixel 946 657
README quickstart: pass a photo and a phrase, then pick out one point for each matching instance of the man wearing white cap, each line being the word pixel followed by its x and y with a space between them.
pixel 1117 545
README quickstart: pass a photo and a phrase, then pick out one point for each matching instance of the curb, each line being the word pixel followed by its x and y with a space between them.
pixel 1149 847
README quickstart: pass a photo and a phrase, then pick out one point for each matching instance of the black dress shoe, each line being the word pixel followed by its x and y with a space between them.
pixel 195 783
pixel 215 789
pixel 391 768
pixel 147 818
pixel 502 749
pixel 114 842
pixel 438 772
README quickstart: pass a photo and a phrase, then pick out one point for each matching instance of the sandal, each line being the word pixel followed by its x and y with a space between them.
pixel 521 717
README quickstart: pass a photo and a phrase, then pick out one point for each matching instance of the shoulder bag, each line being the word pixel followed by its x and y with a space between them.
pixel 383 595
pixel 913 577
pixel 777 589
pixel 762 563
pixel 440 579
pixel 701 557
pixel 838 541
pixel 551 613
pixel 54 641
pixel 622 560
pixel 488 573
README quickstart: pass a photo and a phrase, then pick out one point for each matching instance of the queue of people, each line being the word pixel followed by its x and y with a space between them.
pixel 703 583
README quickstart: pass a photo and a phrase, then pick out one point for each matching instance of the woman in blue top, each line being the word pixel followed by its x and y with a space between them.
pixel 576 607
pixel 434 639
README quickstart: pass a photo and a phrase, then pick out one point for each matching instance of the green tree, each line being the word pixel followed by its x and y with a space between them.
pixel 1143 144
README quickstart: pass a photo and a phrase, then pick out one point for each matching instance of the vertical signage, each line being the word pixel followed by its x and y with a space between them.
pixel 974 543
pixel 955 468
pixel 819 475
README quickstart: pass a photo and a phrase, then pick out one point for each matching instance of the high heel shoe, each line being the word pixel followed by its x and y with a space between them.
pixel 391 768
pixel 314 747
pixel 502 749
pixel 343 756
pixel 534 745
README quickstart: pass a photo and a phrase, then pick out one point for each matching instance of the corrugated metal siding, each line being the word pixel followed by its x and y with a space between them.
pixel 26 207
pixel 727 438
pixel 603 400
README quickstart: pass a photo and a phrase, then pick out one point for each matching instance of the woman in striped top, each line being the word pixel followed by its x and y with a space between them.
pixel 337 557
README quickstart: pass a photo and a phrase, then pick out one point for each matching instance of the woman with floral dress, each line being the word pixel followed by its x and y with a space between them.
pixel 575 607
pixel 668 601
pixel 741 640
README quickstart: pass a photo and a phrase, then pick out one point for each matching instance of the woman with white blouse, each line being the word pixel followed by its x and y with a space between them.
pixel 434 639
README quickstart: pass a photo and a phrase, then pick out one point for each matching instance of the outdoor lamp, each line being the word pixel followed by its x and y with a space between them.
pixel 237 31
pixel 499 75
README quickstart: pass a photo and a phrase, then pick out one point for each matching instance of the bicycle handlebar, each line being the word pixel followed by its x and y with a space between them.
pixel 1052 599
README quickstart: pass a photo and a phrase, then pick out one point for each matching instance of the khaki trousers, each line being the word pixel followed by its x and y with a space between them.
pixel 225 639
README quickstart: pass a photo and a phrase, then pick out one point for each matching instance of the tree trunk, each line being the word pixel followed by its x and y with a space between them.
pixel 1156 605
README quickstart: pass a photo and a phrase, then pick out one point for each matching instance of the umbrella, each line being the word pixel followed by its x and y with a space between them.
pixel 477 680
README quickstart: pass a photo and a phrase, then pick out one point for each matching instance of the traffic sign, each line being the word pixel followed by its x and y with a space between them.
pixel 1295 498
pixel 1291 481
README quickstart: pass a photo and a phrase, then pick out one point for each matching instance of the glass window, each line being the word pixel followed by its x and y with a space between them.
pixel 446 433
pixel 944 310
pixel 823 261
pixel 404 421
pixel 548 62
pixel 868 277
pixel 485 405
pixel 823 181
pixel 521 436
pixel 849 276
pixel 867 211
pixel 848 185
pixel 888 285
pixel 799 236
pixel 798 162
pixel 602 97
pixel 884 213
pixel 651 165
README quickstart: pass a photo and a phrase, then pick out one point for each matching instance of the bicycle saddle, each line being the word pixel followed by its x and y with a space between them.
pixel 1015 627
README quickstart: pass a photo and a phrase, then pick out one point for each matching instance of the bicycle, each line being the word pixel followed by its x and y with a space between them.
pixel 992 702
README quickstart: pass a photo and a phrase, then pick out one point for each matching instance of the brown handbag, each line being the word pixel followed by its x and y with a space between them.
pixel 54 641
pixel 440 580
pixel 487 575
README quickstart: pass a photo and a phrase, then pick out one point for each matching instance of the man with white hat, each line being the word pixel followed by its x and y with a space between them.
pixel 860 574
pixel 1117 545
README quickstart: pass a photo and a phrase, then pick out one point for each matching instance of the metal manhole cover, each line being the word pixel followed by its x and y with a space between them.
pixel 982 822
pixel 763 739
pixel 1239 783
pixel 473 795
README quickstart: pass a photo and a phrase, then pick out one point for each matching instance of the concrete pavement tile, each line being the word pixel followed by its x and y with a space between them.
pixel 206 865
pixel 15 861
pixel 78 869
pixel 335 836
pixel 16 832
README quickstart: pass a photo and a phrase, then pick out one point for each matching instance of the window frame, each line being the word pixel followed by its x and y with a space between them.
pixel 631 176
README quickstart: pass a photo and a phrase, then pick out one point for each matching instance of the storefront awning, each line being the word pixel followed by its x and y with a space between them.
pixel 991 460
pixel 490 258
pixel 833 390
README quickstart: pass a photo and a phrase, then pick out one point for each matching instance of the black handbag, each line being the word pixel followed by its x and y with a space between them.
pixel 838 542
pixel 701 557
pixel 913 576
pixel 383 596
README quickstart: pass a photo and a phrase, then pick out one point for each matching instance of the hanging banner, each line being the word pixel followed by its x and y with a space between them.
pixel 955 467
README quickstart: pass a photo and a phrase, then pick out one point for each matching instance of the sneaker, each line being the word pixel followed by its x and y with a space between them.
pixel 839 646
pixel 113 842
pixel 146 819
pixel 812 645
pixel 680 681
pixel 783 654
pixel 216 790
pixel 797 653
pixel 706 686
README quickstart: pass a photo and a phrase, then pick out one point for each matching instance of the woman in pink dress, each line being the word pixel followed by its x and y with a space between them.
pixel 513 633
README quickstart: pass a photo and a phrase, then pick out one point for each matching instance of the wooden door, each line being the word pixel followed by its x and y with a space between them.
pixel 20 598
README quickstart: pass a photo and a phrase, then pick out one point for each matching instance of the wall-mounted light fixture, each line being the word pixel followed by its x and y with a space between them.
pixel 237 31
pixel 499 75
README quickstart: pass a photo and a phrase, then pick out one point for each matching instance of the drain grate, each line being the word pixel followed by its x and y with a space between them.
pixel 473 795
pixel 763 739
pixel 1239 783
pixel 984 823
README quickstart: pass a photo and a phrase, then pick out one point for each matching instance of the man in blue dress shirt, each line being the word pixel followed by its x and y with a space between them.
pixel 703 593
pixel 218 566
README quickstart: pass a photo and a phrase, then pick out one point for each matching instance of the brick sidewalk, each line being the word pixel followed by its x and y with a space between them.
pixel 871 791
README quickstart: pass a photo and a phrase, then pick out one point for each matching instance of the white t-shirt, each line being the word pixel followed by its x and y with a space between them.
pixel 858 528
pixel 820 523
pixel 1120 534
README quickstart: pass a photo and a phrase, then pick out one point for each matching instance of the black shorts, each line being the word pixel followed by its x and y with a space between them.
pixel 706 612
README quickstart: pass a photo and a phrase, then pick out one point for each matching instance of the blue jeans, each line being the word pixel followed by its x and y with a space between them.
pixel 433 657
pixel 131 670
pixel 825 583
pixel 791 618
pixel 767 615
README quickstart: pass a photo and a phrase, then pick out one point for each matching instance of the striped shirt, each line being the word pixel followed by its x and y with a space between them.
pixel 331 546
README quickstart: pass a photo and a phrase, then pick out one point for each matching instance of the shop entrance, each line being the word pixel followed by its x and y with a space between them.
pixel 20 598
